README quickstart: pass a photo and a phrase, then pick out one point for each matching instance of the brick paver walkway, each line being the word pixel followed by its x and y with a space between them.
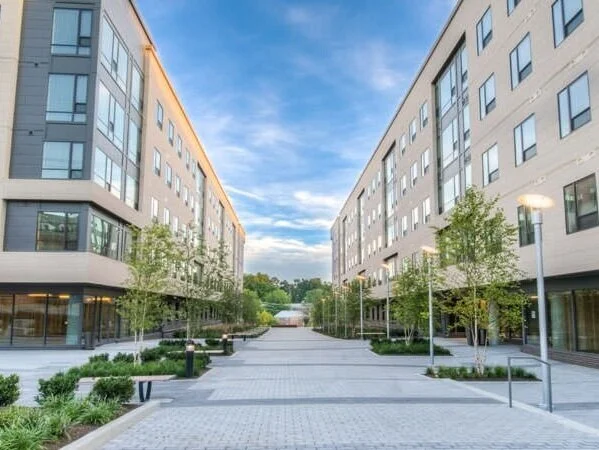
pixel 295 389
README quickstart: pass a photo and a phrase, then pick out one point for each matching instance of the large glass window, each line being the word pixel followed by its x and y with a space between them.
pixel 29 320
pixel 71 32
pixel 449 143
pixel 574 105
pixel 560 314
pixel 567 16
pixel 389 171
pixel 451 192
pixel 466 121
pixel 132 192
pixel 525 140
pixel 137 88
pixel 63 320
pixel 447 90
pixel 104 238
pixel 57 231
pixel 67 98
pixel 487 96
pixel 114 55
pixel 111 117
pixel 580 200
pixel 511 5
pixel 490 165
pixel 107 173
pixel 587 320
pixel 5 319
pixel 133 146
pixel 526 231
pixel 484 31
pixel 521 61
pixel 62 160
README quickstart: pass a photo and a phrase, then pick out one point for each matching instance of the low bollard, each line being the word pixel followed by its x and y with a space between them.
pixel 189 355
pixel 225 339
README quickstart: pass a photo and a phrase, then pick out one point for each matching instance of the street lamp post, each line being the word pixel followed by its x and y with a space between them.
pixel 429 252
pixel 537 203
pixel 361 278
pixel 388 271
pixel 336 315
pixel 322 324
pixel 343 289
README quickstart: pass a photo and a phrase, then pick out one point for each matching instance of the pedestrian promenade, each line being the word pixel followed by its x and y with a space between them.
pixel 295 389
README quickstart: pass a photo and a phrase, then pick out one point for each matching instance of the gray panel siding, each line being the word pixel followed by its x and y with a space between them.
pixel 21 223
pixel 35 64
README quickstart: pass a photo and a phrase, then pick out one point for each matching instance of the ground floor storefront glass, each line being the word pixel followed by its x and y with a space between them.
pixel 572 320
pixel 56 320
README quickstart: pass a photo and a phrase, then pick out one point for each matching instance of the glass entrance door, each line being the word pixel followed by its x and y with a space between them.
pixel 5 319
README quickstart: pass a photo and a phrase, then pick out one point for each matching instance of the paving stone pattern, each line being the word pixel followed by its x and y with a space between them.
pixel 294 389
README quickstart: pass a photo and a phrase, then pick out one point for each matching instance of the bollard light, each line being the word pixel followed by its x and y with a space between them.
pixel 189 356
pixel 225 338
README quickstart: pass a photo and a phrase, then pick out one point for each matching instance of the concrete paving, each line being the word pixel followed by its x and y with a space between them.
pixel 295 389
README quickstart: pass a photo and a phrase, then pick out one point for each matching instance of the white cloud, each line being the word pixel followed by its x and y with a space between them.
pixel 317 201
pixel 244 193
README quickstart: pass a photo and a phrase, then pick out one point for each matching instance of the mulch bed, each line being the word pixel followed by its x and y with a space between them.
pixel 78 431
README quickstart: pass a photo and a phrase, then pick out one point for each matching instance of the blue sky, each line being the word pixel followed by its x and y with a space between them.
pixel 289 99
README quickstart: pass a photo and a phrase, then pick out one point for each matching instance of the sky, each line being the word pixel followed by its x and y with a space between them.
pixel 290 98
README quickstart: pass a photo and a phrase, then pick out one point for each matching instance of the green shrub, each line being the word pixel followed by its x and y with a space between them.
pixel 152 354
pixel 399 347
pixel 213 342
pixel 9 389
pixel 56 424
pixel 61 384
pixel 99 357
pixel 23 437
pixel 179 334
pixel 430 372
pixel 173 343
pixel 114 388
pixel 99 412
pixel 124 357
pixel 18 416
pixel 176 356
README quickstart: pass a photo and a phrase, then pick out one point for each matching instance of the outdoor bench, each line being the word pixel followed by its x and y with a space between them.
pixel 141 379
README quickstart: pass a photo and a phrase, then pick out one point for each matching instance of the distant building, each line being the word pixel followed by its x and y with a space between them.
pixel 295 317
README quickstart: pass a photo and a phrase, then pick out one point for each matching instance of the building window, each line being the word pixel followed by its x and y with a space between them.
pixel 484 31
pixel 67 98
pixel 133 150
pixel 185 195
pixel 159 115
pixel 413 174
pixel 415 216
pixel 137 89
pixel 57 231
pixel 154 208
pixel 171 133
pixel 412 131
pixel 423 115
pixel 567 16
pixel 157 162
pixel 167 216
pixel 425 161
pixel 487 96
pixel 131 192
pixel 402 144
pixel 526 231
pixel 104 238
pixel 404 226
pixel 169 175
pixel 426 210
pixel 178 185
pixel 403 186
pixel 521 61
pixel 114 55
pixel 511 5
pixel 187 158
pixel 107 173
pixel 490 165
pixel 447 89
pixel 525 140
pixel 574 106
pixel 62 160
pixel 111 117
pixel 71 32
pixel 468 175
pixel 580 199
pixel 449 143
pixel 464 67
pixel 451 192
pixel 466 122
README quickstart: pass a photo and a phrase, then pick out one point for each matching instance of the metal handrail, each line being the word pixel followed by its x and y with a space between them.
pixel 509 377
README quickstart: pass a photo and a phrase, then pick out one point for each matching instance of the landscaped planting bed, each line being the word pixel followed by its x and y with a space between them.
pixel 490 373
pixel 399 347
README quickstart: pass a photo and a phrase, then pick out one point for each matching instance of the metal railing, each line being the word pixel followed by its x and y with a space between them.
pixel 509 378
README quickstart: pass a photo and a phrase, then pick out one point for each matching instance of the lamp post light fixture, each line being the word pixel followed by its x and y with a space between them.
pixel 388 272
pixel 225 339
pixel 537 203
pixel 189 355
pixel 361 278
pixel 430 252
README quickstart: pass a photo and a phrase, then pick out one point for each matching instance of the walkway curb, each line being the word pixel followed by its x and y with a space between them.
pixel 569 423
pixel 97 438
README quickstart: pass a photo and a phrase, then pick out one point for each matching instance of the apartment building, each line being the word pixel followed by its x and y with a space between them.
pixel 505 100
pixel 94 139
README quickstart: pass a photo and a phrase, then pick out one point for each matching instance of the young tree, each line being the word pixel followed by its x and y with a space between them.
pixel 250 306
pixel 150 262
pixel 477 248
pixel 410 306
pixel 266 319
